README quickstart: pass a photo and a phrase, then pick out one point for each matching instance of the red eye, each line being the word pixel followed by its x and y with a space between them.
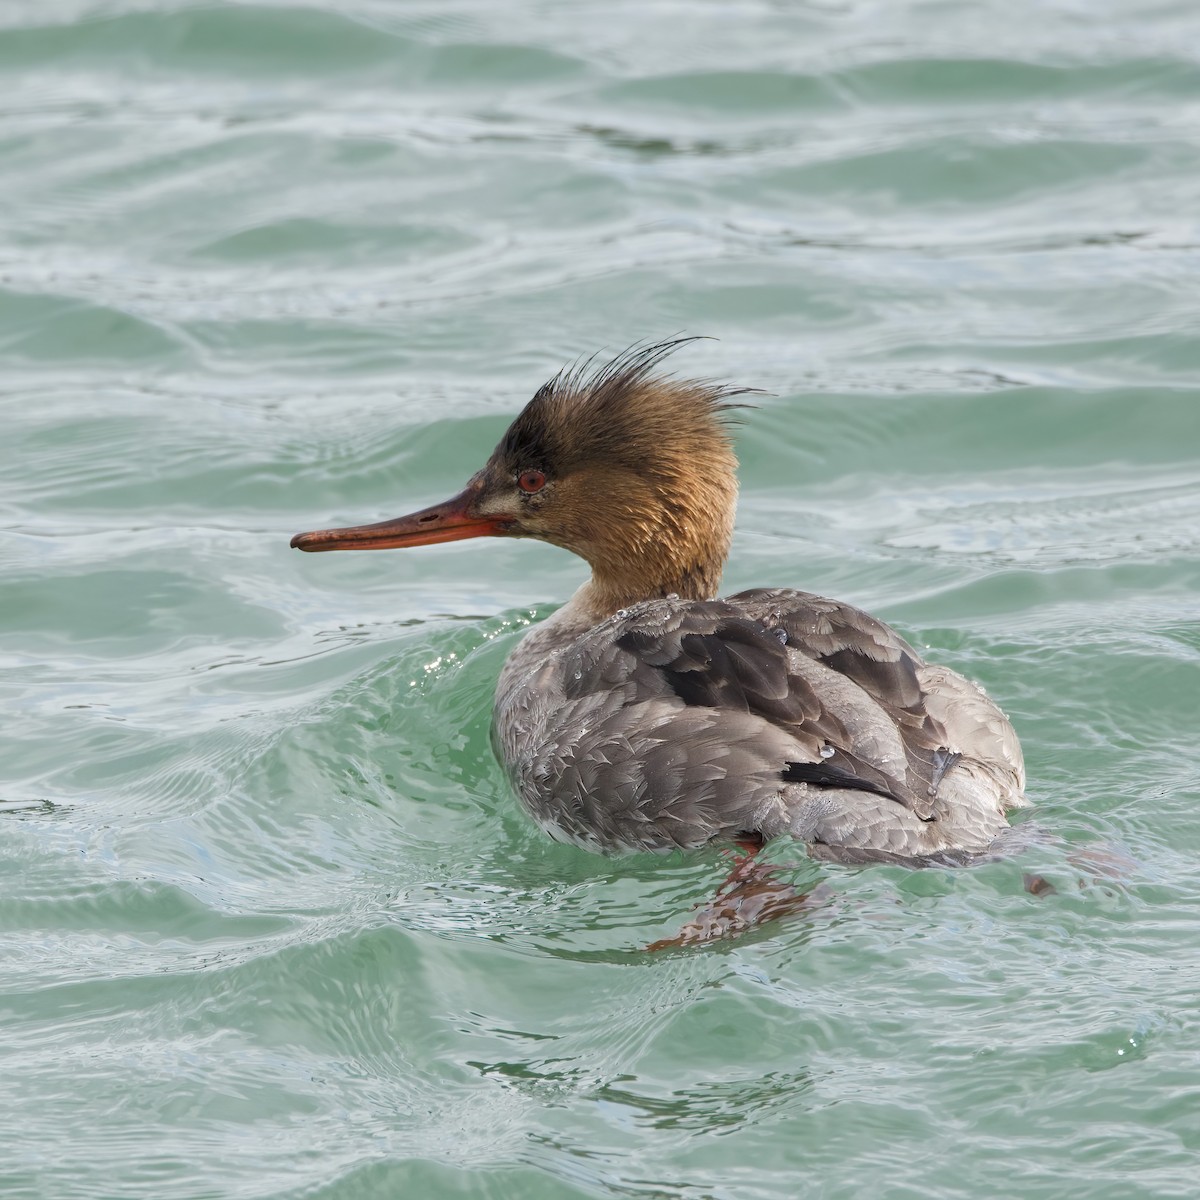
pixel 531 481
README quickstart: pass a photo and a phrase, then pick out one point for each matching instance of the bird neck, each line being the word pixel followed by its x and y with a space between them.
pixel 609 590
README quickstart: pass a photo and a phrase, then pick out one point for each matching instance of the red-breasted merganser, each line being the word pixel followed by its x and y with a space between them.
pixel 647 715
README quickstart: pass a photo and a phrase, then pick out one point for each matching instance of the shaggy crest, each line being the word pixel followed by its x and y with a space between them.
pixel 620 412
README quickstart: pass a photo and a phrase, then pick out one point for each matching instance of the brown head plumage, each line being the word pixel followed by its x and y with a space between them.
pixel 633 471
pixel 639 474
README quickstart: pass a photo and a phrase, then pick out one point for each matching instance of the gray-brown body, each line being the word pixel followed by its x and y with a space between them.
pixel 675 723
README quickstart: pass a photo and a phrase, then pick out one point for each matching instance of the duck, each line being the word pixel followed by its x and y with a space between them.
pixel 646 714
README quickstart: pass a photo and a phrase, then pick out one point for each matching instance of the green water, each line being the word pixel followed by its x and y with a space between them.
pixel 272 924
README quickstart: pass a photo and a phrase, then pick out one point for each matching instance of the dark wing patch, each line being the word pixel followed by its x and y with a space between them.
pixel 734 664
pixel 711 656
pixel 825 774
pixel 876 658
pixel 734 656
pixel 893 681
pixel 716 660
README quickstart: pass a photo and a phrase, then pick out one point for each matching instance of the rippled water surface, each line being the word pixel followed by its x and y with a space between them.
pixel 272 923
